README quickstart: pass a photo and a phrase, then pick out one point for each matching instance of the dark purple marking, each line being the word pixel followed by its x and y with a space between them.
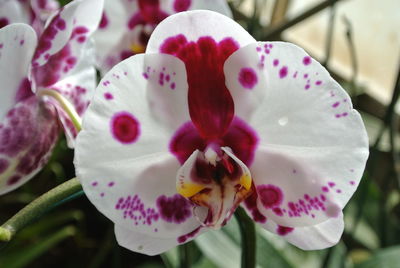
pixel 125 127
pixel 248 78
pixel 306 87
pixel 275 62
pixel 318 82
pixel 331 184
pixel 175 209
pixel 145 75
pixel 111 184
pixel 108 96
pixel 305 76
pixel 352 182
pixel 3 165
pixel 21 42
pixel 258 49
pixel 134 209
pixel 306 60
pixel 14 179
pixel 270 195
pixel 338 191
pixel 102 194
pixel 283 72
pixel 95 183
pixel 183 238
pixel 295 74
pixel 325 189
pixel 336 104
pixel 3 22
pixel 24 90
pixel 283 230
pixel 251 205
pixel 172 86
pixel 182 5
pixel 60 24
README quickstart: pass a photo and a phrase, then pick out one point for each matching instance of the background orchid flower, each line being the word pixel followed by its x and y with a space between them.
pixel 33 12
pixel 58 61
pixel 126 25
pixel 209 119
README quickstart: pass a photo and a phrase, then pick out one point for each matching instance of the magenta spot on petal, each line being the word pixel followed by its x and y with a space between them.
pixel 21 43
pixel 60 24
pixel 145 75
pixel 108 96
pixel 307 87
pixel 174 209
pixel 172 86
pixel 95 183
pixel 325 189
pixel 181 5
pixel 275 62
pixel 258 49
pixel 81 39
pixel 24 90
pixel 306 60
pixel 319 82
pixel 352 182
pixel 104 21
pixel 336 104
pixel 125 128
pixel 278 211
pixel 111 184
pixel 338 191
pixel 248 78
pixel 295 74
pixel 3 165
pixel 270 195
pixel 283 230
pixel 283 72
pixel 331 184
pixel 102 194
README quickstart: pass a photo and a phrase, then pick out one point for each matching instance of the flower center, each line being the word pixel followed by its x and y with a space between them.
pixel 215 179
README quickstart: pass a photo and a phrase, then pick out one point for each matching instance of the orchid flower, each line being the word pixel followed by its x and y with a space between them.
pixel 40 77
pixel 33 12
pixel 126 25
pixel 207 120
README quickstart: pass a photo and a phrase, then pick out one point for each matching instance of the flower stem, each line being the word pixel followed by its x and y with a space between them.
pixel 65 105
pixel 39 206
pixel 248 234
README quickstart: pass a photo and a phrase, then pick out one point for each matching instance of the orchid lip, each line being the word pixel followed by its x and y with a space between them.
pixel 217 180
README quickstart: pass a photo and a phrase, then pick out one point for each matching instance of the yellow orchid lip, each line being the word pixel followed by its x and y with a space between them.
pixel 189 189
pixel 137 48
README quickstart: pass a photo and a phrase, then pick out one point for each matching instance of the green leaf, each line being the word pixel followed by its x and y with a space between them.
pixel 24 256
pixel 385 258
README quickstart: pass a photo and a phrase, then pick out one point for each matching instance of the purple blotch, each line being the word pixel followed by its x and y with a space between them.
pixel 174 209
pixel 125 127
pixel 248 78
pixel 283 230
pixel 275 62
pixel 270 195
pixel 283 72
pixel 306 60
pixel 3 165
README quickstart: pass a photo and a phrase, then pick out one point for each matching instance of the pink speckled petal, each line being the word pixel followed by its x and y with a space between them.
pixel 17 44
pixel 78 88
pixel 305 115
pixel 290 191
pixel 150 244
pixel 195 24
pixel 174 6
pixel 315 237
pixel 27 136
pixel 65 34
pixel 123 148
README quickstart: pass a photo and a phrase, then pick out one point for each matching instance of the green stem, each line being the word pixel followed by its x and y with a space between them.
pixel 184 255
pixel 38 207
pixel 248 234
pixel 65 105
